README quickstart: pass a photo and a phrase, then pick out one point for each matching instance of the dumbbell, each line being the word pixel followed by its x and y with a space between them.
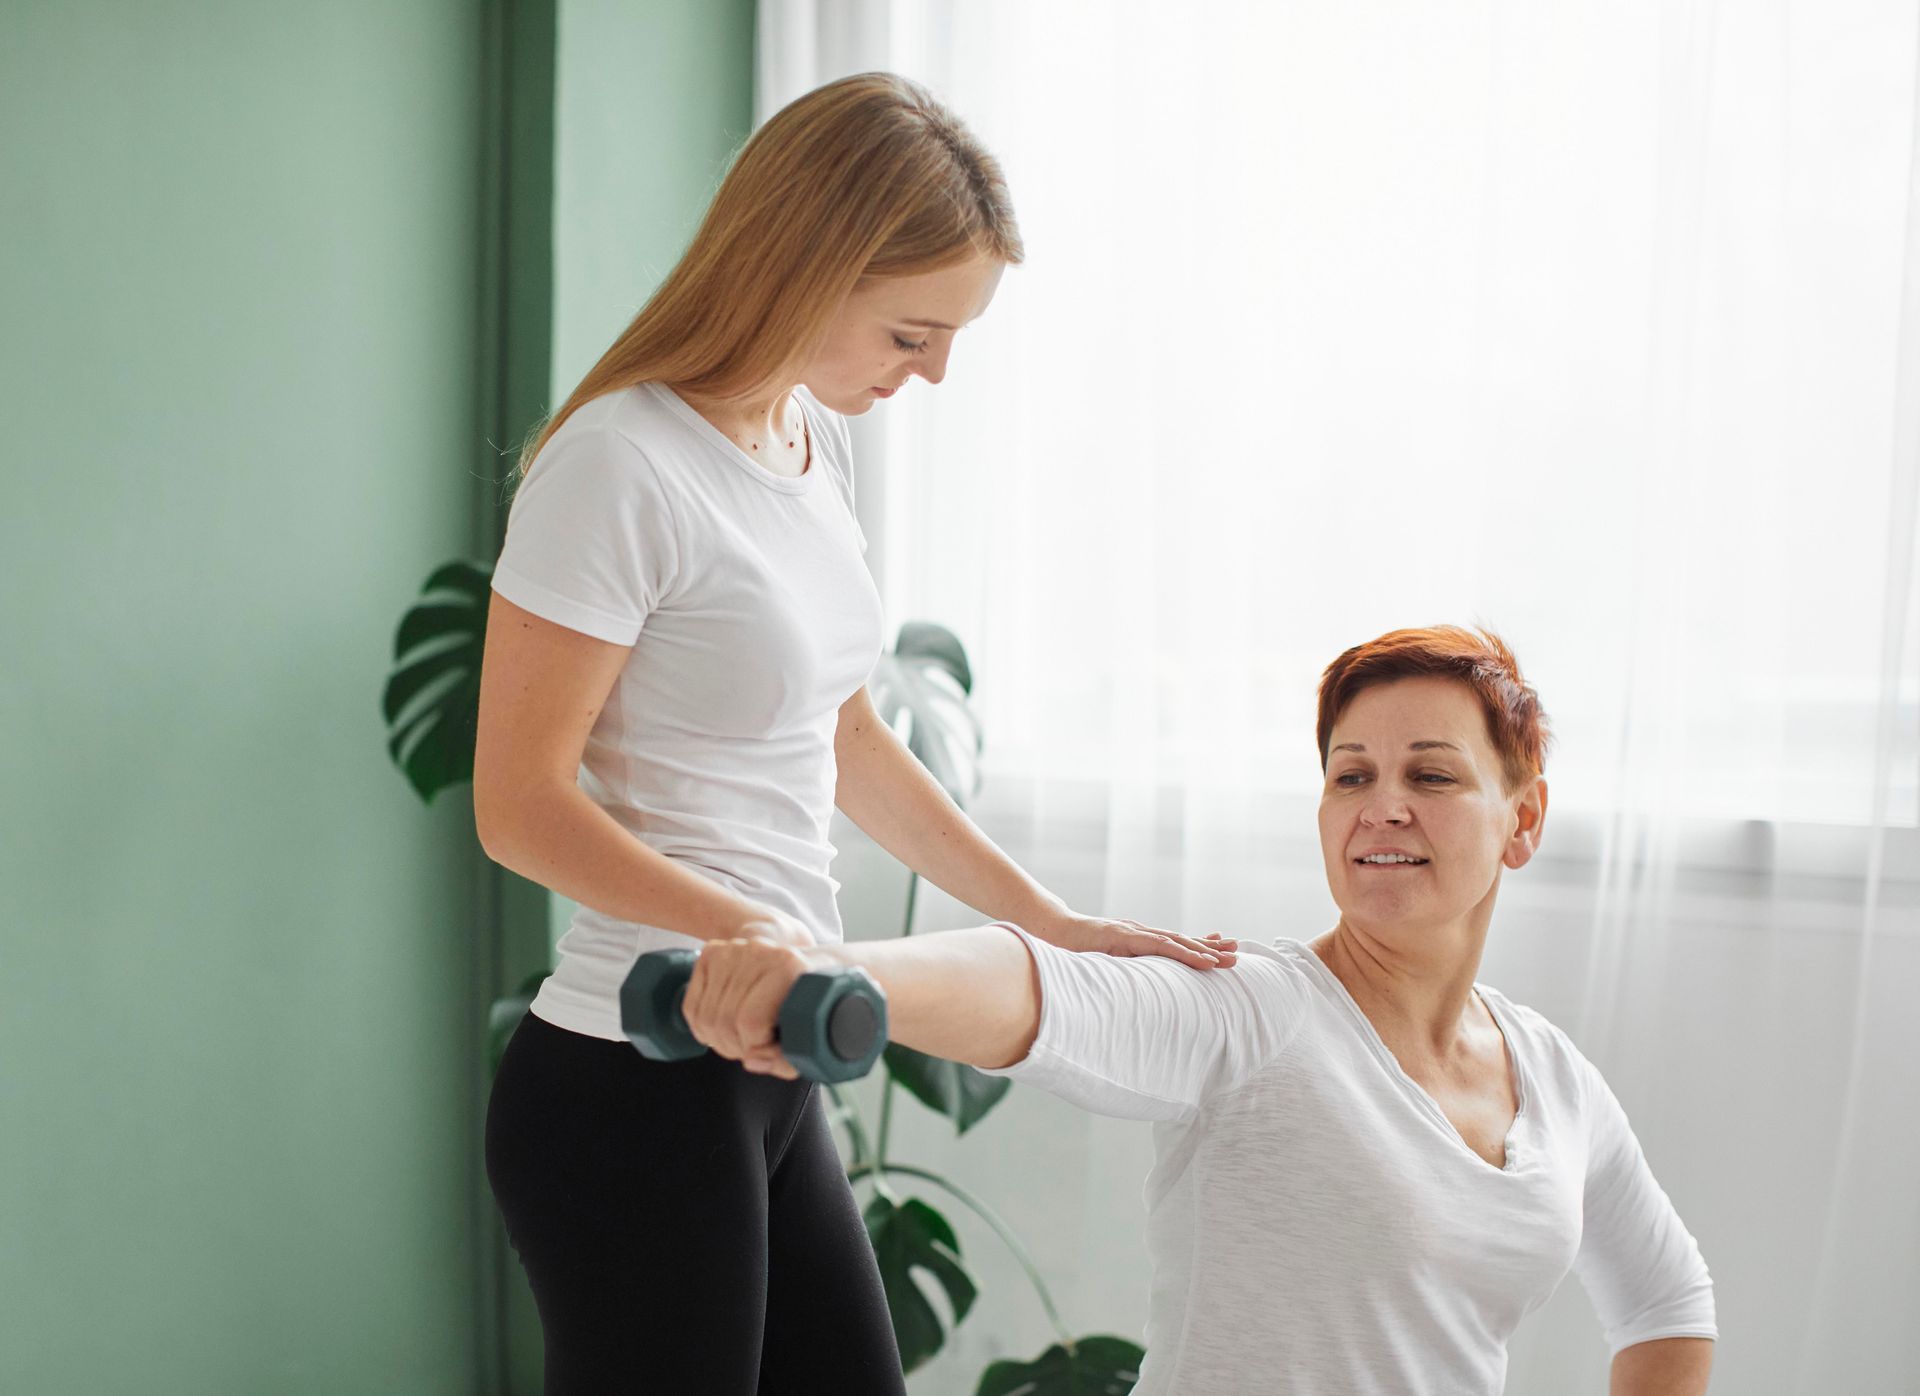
pixel 832 1026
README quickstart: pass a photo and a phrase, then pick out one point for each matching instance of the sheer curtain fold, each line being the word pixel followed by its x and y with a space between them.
pixel 1598 323
pixel 1867 1285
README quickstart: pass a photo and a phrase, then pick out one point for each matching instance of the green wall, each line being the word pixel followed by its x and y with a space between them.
pixel 652 101
pixel 238 291
pixel 244 309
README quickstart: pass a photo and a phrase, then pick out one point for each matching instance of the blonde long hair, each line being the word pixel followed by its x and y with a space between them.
pixel 868 176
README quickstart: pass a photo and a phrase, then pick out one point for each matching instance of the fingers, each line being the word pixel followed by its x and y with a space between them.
pixel 734 998
pixel 1132 938
pixel 769 1061
pixel 712 996
pixel 1210 952
pixel 1192 952
pixel 1212 940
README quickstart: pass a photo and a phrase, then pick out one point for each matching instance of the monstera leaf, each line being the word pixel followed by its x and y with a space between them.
pixel 910 1237
pixel 432 699
pixel 920 691
pixel 1092 1367
pixel 952 1089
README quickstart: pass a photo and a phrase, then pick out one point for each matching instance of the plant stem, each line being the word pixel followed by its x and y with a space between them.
pixel 857 1133
pixel 986 1214
pixel 886 1091
pixel 855 1126
pixel 886 1121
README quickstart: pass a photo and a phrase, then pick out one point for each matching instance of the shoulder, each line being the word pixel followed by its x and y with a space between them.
pixel 620 445
pixel 600 428
pixel 1292 963
pixel 1262 971
pixel 1277 962
pixel 1269 983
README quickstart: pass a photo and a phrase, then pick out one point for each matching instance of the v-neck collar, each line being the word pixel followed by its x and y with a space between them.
pixel 1428 1106
pixel 714 437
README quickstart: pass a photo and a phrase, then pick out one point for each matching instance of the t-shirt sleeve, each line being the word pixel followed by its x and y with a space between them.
pixel 1638 1263
pixel 590 539
pixel 1150 1039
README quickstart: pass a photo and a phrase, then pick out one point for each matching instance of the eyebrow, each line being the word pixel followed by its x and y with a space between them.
pixel 929 325
pixel 1411 746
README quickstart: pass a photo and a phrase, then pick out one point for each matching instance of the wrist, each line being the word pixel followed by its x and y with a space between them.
pixel 1037 911
pixel 751 922
pixel 826 957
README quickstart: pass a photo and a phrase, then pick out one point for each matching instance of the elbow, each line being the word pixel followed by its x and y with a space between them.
pixel 1000 1037
pixel 496 821
pixel 967 996
pixel 491 846
pixel 515 818
pixel 490 833
pixel 1020 1028
pixel 1010 1049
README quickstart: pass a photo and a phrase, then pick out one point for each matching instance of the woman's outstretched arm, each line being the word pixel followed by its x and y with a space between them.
pixel 970 996
pixel 1141 1038
pixel 889 794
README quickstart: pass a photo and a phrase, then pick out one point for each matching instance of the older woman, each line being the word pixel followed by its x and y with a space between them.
pixel 1369 1167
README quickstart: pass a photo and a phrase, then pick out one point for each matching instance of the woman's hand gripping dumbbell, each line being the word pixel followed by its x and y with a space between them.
pixel 776 1007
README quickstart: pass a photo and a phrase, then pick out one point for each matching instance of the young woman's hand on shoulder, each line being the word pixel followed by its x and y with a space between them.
pixel 1071 931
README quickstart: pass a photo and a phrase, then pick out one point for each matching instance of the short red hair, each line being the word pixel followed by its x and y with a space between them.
pixel 1479 659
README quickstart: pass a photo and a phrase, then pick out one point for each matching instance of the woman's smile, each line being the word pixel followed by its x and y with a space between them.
pixel 1390 858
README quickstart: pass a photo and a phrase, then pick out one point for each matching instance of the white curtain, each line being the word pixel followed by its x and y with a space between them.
pixel 1598 323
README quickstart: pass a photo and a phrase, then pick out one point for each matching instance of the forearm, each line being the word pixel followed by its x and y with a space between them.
pixel 559 838
pixel 892 798
pixel 970 996
pixel 1663 1367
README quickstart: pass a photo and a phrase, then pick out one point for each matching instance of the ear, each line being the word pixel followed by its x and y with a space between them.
pixel 1529 818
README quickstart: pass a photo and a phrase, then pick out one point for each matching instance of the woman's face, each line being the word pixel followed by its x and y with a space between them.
pixel 1415 820
pixel 892 328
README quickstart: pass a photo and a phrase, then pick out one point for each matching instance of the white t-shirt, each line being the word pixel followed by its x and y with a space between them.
pixel 752 619
pixel 1315 1223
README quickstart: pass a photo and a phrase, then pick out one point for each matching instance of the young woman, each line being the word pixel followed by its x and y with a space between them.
pixel 1369 1167
pixel 672 704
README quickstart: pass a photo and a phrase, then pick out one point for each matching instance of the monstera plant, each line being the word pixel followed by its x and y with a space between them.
pixel 921 690
pixel 432 698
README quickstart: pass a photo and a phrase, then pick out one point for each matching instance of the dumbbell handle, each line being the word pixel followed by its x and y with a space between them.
pixel 832 1026
pixel 677 1013
pixel 850 1024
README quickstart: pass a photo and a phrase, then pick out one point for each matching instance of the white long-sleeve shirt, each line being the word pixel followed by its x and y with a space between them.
pixel 1316 1225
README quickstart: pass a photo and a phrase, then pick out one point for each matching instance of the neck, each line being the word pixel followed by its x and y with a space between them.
pixel 1407 981
pixel 759 418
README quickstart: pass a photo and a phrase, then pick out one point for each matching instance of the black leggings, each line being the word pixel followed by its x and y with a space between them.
pixel 687 1227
